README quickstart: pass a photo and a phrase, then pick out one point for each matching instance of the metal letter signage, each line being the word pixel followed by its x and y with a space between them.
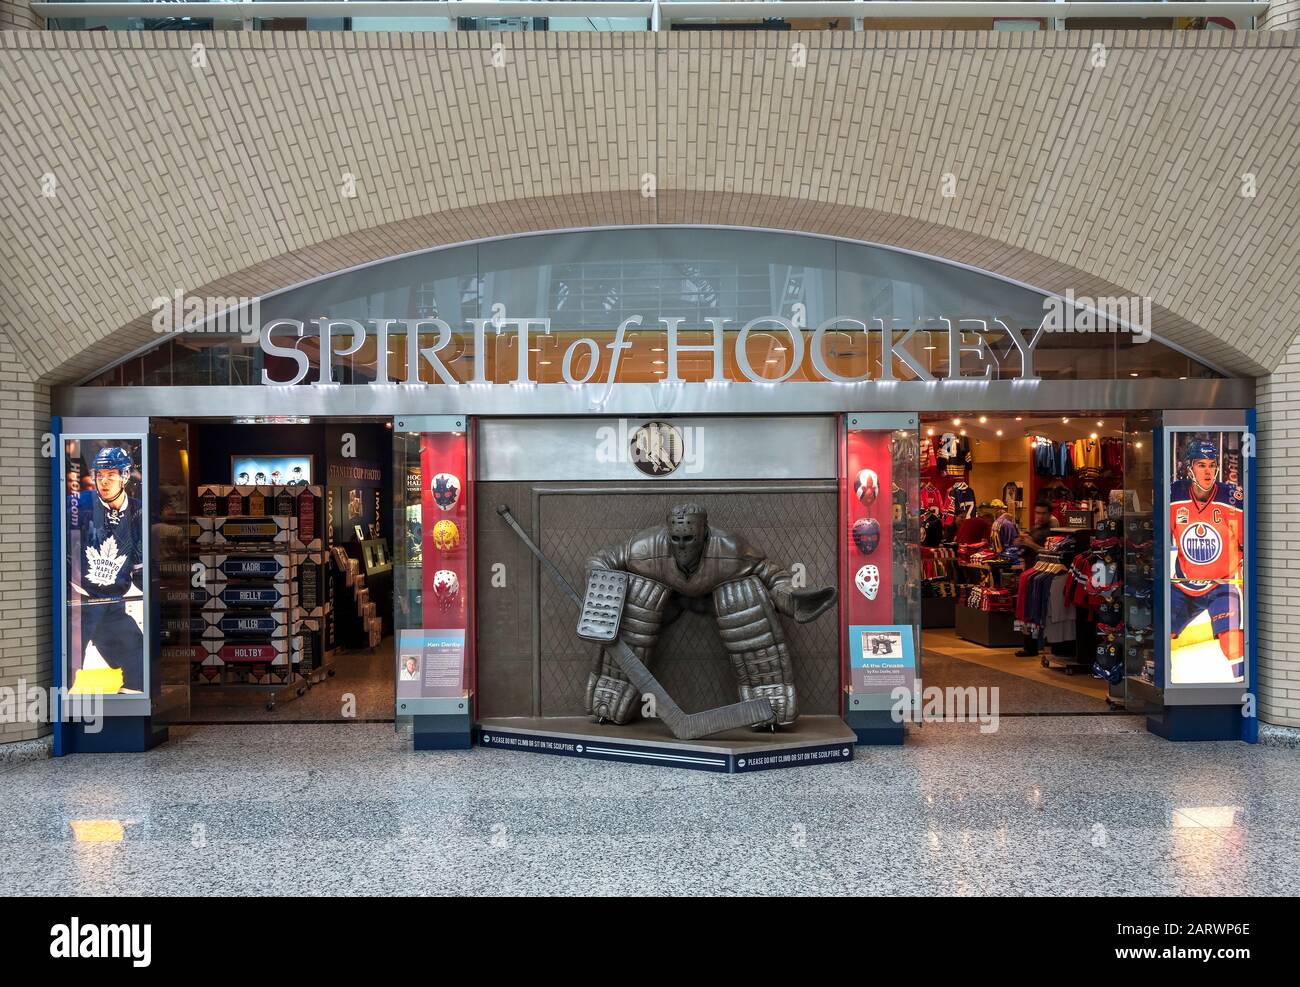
pixel 460 356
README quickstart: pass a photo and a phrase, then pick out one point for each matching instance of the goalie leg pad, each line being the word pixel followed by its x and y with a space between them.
pixel 752 634
pixel 610 696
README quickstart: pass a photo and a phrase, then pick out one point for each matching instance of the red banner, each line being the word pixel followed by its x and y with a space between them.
pixel 444 530
pixel 868 528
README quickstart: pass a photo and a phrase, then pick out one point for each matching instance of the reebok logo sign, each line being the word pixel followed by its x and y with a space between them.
pixel 75 941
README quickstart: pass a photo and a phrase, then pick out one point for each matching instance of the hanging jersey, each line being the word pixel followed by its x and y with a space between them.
pixel 1044 457
pixel 1087 460
pixel 1206 538
pixel 108 546
pixel 961 502
pixel 931 496
pixel 927 455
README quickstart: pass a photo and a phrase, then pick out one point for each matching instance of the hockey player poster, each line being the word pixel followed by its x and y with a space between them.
pixel 105 565
pixel 1207 558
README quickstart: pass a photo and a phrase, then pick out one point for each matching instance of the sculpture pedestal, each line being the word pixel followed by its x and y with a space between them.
pixel 811 740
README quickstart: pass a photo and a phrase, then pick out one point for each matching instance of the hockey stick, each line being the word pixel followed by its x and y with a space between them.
pixel 684 726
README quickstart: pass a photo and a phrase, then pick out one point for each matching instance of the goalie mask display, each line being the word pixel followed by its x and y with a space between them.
pixel 867 486
pixel 446 491
pixel 446 535
pixel 446 588
pixel 866 535
pixel 868 581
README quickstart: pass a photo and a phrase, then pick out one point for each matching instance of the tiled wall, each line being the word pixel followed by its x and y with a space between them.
pixel 1123 177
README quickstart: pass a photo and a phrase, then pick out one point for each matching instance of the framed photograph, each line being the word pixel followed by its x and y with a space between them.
pixel 1206 592
pixel 286 471
pixel 105 542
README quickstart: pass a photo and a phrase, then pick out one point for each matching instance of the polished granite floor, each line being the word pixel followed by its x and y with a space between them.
pixel 1057 805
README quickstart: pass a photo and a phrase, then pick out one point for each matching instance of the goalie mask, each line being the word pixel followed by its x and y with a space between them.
pixel 446 535
pixel 867 486
pixel 868 581
pixel 866 534
pixel 446 588
pixel 688 530
pixel 446 491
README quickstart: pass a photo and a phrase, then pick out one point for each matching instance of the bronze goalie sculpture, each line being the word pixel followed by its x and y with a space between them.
pixel 634 590
pixel 681 565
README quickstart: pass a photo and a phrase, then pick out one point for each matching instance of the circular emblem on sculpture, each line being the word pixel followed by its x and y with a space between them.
pixel 657 448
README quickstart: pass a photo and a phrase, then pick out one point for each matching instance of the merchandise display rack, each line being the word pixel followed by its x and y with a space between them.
pixel 264 603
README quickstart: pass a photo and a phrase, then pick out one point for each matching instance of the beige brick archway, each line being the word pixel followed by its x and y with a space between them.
pixel 1079 159
pixel 1122 173
pixel 555 213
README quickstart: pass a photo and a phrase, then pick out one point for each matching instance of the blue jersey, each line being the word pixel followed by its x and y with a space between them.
pixel 106 547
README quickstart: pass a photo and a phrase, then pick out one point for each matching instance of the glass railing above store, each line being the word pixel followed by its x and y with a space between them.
pixel 645 15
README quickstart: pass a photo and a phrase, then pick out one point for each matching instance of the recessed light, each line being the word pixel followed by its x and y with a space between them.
pixel 963 431
pixel 1138 444
pixel 1065 421
pixel 1093 435
pixel 931 347
pixel 999 431
pixel 1020 418
pixel 983 419
pixel 929 431
pixel 956 421
pixel 658 363
pixel 656 349
pixel 1132 373
pixel 1101 424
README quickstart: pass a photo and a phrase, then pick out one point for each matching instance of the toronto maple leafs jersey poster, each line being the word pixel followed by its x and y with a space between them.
pixel 105 567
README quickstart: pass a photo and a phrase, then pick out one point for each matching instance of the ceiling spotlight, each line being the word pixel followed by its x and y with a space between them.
pixel 956 421
pixel 963 431
pixel 1019 418
pixel 983 419
pixel 1101 424
pixel 1093 435
pixel 929 431
pixel 1133 373
pixel 999 431
pixel 1065 421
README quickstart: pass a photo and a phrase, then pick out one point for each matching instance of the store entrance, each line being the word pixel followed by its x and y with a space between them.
pixel 278 605
pixel 1023 543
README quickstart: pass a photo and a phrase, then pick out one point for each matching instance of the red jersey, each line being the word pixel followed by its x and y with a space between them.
pixel 1207 538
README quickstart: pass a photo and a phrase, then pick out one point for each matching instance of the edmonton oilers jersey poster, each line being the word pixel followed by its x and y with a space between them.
pixel 1207 558
pixel 104 566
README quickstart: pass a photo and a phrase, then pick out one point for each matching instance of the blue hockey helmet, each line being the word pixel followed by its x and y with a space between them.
pixel 112 458
pixel 1200 449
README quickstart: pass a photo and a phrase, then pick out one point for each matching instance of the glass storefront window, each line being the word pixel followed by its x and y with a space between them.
pixel 588 283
